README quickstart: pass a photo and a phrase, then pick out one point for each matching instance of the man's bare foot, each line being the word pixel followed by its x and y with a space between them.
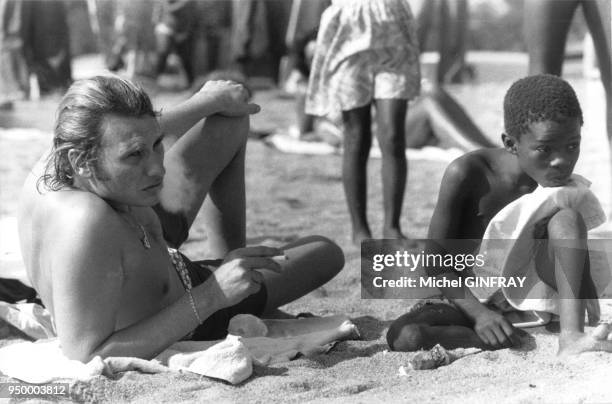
pixel 361 235
pixel 578 342
pixel 393 233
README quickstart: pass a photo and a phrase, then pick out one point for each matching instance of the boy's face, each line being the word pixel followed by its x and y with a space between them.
pixel 549 150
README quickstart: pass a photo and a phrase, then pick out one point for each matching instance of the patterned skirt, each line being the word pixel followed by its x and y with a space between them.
pixel 366 49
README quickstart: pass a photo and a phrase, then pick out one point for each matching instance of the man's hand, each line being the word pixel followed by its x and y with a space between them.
pixel 231 98
pixel 238 277
pixel 494 330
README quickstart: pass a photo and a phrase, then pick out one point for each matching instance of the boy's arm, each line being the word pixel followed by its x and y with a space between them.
pixel 215 97
pixel 491 327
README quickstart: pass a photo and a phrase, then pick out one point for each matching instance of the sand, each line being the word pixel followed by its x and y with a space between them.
pixel 289 196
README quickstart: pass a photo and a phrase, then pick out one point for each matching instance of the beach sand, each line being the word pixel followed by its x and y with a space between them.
pixel 291 196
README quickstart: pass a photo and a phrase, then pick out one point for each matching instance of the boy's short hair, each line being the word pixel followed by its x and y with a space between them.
pixel 538 98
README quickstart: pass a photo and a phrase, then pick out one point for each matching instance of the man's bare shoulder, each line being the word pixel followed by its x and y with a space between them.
pixel 77 212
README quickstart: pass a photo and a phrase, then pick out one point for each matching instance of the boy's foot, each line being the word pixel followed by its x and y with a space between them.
pixel 393 233
pixel 575 343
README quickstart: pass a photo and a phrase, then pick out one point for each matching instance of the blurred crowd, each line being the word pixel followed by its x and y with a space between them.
pixel 139 36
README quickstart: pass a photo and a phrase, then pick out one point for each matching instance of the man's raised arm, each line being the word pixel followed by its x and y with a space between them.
pixel 215 97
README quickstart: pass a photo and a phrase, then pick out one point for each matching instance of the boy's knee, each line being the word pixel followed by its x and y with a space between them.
pixel 405 337
pixel 566 224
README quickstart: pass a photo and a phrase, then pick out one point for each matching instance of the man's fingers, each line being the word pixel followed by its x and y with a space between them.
pixel 258 251
pixel 253 108
pixel 261 263
pixel 257 277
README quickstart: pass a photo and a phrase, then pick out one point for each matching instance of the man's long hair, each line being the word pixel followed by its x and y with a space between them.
pixel 80 117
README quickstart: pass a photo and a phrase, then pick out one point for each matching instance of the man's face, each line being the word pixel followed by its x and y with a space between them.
pixel 549 150
pixel 130 166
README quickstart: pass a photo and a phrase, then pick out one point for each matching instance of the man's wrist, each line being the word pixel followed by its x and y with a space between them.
pixel 205 299
pixel 206 102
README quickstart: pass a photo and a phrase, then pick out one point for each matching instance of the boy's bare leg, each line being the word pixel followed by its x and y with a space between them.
pixel 568 251
pixel 208 160
pixel 390 119
pixel 312 262
pixel 357 142
pixel 430 325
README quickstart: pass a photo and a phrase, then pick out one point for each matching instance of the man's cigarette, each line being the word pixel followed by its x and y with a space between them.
pixel 281 256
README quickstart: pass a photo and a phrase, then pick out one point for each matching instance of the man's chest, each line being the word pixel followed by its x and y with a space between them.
pixel 150 282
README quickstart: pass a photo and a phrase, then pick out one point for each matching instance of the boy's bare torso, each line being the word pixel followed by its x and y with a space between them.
pixel 492 181
pixel 147 278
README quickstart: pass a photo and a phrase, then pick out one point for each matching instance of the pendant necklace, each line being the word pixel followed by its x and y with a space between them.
pixel 144 239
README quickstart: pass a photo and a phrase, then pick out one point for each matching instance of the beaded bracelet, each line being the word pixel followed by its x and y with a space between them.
pixel 193 306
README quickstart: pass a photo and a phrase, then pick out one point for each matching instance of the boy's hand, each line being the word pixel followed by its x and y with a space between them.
pixel 494 330
pixel 232 98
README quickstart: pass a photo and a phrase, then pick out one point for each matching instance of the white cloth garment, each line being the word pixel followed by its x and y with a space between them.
pixel 509 247
pixel 259 341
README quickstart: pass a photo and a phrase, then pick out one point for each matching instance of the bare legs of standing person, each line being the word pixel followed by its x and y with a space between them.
pixel 547 23
pixel 357 143
pixel 390 119
pixel 391 114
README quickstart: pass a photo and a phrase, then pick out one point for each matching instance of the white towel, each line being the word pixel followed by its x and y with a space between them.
pixel 265 342
pixel 509 251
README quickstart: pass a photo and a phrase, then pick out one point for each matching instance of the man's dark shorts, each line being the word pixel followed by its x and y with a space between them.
pixel 176 231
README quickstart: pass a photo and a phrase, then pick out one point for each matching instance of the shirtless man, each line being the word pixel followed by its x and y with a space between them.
pixel 543 121
pixel 95 223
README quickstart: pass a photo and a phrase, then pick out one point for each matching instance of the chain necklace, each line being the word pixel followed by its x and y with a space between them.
pixel 144 238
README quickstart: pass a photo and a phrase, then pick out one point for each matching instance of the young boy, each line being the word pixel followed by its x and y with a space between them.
pixel 541 145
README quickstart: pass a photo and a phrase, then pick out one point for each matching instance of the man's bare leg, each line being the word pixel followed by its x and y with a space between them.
pixel 209 161
pixel 569 253
pixel 224 209
pixel 312 262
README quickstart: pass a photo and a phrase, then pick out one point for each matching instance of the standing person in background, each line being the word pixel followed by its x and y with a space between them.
pixel 214 21
pixel 451 22
pixel 175 31
pixel 367 55
pixel 133 37
pixel 48 45
pixel 258 27
pixel 547 23
pixel 14 72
